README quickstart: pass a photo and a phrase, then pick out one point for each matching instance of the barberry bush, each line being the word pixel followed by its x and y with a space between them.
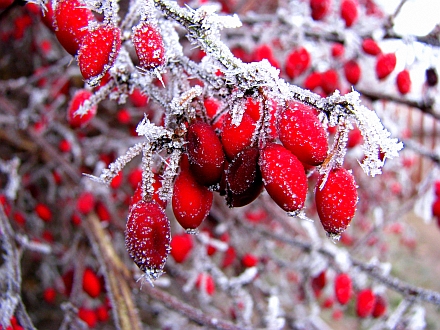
pixel 230 165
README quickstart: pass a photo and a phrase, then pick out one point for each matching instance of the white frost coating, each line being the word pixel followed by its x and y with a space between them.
pixel 417 319
pixel 273 317
pixel 151 131
pixel 244 278
pixel 10 168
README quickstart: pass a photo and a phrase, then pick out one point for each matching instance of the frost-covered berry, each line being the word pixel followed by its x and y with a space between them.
pixel 319 8
pixel 297 62
pixel 149 46
pixel 385 64
pixel 243 178
pixel 98 52
pixel 349 12
pixel 78 120
pixel 403 82
pixel 352 72
pixel 191 201
pixel 236 138
pixel 336 201
pixel 148 236
pixel 283 176
pixel 302 133
pixel 343 288
pixel 205 153
pixel 365 303
pixel 71 18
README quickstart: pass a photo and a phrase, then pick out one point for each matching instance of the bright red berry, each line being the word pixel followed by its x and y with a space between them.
pixel 403 81
pixel 205 283
pixel 117 180
pixel 102 313
pixel 229 257
pixel 385 64
pixel 243 178
pixel 64 146
pixel 98 51
pixel 302 133
pixel 148 236
pixel 329 81
pixel 249 260
pixel 349 12
pixel 297 62
pixel 370 47
pixel 354 138
pixel 312 81
pixel 205 153
pixel 343 288
pixel 319 8
pixel 337 50
pixel 336 201
pixel 283 176
pixel 380 306
pixel 85 202
pixel 436 207
pixel 71 18
pixel 236 138
pixel 191 202
pixel 78 120
pixel 365 303
pixel 91 283
pixel 181 247
pixel 49 295
pixel 149 47
pixel 88 316
pixel 265 52
pixel 43 211
pixel 352 72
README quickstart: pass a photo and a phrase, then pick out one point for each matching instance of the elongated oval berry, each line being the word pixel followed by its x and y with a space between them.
pixel 191 202
pixel 76 119
pixel 385 64
pixel 148 44
pixel 403 82
pixel 283 176
pixel 297 62
pixel 370 47
pixel 205 152
pixel 380 306
pixel 343 288
pixel 181 247
pixel 352 72
pixel 365 303
pixel 302 133
pixel 236 138
pixel 319 8
pixel 349 12
pixel 148 236
pixel 71 18
pixel 91 283
pixel 98 52
pixel 336 201
pixel 243 178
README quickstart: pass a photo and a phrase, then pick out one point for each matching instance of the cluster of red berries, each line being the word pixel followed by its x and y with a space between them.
pixel 237 165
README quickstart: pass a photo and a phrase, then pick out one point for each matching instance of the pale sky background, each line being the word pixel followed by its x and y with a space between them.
pixel 417 17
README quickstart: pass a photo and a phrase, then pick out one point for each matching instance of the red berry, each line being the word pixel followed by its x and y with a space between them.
pixel 117 180
pixel 283 176
pixel 312 81
pixel 365 303
pixel 343 288
pixel 403 81
pixel 236 138
pixel 243 178
pixel 98 51
pixel 64 146
pixel 85 202
pixel 337 50
pixel 352 72
pixel 380 306
pixel 319 8
pixel 148 236
pixel 354 138
pixel 302 133
pixel 249 260
pixel 47 16
pixel 191 202
pixel 77 120
pixel 138 98
pixel 44 212
pixel 370 47
pixel 349 12
pixel 88 316
pixel 102 212
pixel 91 283
pixel 205 152
pixel 205 282
pixel 181 247
pixel 71 19
pixel 149 47
pixel 436 207
pixel 49 295
pixel 123 116
pixel 229 257
pixel 102 313
pixel 5 4
pixel 134 177
pixel 336 201
pixel 385 64
pixel 137 196
pixel 319 282
pixel 297 62
pixel 265 52
pixel 329 81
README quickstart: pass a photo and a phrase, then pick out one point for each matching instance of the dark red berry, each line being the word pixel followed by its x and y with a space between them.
pixel 283 176
pixel 148 236
pixel 380 306
pixel 205 153
pixel 319 8
pixel 336 201
pixel 431 77
pixel 302 133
